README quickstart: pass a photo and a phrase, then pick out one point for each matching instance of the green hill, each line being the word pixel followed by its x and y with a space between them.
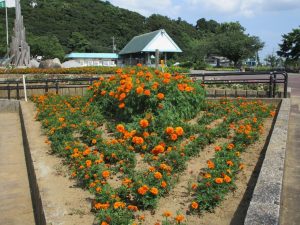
pixel 57 27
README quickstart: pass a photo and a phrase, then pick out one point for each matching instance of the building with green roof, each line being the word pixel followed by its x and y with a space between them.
pixel 142 48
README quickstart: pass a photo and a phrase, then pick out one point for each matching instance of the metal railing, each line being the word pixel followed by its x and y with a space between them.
pixel 272 79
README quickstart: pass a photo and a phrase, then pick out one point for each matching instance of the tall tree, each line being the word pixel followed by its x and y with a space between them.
pixel 234 44
pixel 273 60
pixel 78 43
pixel 290 46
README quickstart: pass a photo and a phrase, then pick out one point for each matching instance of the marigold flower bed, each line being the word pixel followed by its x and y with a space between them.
pixel 131 136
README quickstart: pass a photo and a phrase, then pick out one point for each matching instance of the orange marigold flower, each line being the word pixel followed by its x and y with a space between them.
pixel 144 123
pixel 219 180
pixel 167 214
pixel 137 140
pixel 158 175
pixel 139 65
pixel 151 169
pixel 88 163
pixel 218 148
pixel 167 75
pixel 179 218
pixel 163 184
pixel 126 181
pixel 165 167
pixel 230 146
pixel 272 113
pixel 194 205
pixel 122 96
pixel 120 128
pixel 229 163
pixel 147 92
pixel 146 134
pixel 154 191
pixel 61 119
pixel 132 208
pixel 122 105
pixel 143 190
pixel 158 149
pixel 119 205
pixel 207 175
pixel 227 179
pixel 210 164
pixel 194 186
pixel 241 166
pixel 104 223
pixel 179 131
pixel 160 96
pixel 169 130
pixel 103 92
pixel 173 137
pixel 94 141
pixel 105 174
pixel 139 90
pixel 102 206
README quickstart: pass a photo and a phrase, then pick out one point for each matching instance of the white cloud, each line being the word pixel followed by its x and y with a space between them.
pixel 244 7
pixel 146 8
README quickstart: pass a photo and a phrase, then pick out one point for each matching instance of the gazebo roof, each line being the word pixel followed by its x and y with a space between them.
pixel 149 42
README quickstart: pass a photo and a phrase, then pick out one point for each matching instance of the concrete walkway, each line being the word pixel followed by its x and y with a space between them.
pixel 290 207
pixel 15 199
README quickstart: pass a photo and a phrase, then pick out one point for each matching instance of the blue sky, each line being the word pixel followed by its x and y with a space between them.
pixel 268 19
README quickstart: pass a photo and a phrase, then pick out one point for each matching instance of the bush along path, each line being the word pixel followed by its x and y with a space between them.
pixel 129 138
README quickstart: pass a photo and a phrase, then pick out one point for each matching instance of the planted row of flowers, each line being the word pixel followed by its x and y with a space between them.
pixel 145 113
pixel 79 70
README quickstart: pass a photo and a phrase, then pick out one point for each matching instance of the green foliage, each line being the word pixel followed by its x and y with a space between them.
pixel 78 43
pixel 273 61
pixel 89 25
pixel 46 46
pixel 234 44
pixel 290 46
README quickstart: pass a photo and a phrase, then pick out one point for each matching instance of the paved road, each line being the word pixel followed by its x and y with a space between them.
pixel 15 199
pixel 290 210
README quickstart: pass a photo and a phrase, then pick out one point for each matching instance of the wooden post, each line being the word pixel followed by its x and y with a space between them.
pixel 56 87
pixel 8 90
pixel 156 58
pixel 18 91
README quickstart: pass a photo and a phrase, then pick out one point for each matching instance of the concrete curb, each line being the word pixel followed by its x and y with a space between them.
pixel 264 207
pixel 9 105
pixel 14 106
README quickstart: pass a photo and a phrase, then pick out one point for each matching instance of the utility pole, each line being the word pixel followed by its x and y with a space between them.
pixel 7 44
pixel 114 45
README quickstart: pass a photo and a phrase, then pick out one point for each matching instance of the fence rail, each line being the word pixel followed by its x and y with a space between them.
pixel 272 79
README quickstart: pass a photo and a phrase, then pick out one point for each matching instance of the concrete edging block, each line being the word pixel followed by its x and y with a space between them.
pixel 264 207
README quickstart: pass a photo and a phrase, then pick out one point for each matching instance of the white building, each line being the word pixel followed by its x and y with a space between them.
pixel 94 59
pixel 142 48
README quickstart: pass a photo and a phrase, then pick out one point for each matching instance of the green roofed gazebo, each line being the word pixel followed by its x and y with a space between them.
pixel 142 48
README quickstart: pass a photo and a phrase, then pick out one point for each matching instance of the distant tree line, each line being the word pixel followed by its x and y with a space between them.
pixel 57 27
